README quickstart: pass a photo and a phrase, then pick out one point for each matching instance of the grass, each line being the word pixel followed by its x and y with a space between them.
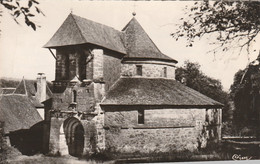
pixel 41 159
pixel 222 151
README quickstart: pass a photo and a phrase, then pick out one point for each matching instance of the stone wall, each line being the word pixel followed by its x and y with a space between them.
pixel 98 63
pixel 151 140
pixel 85 98
pixel 112 68
pixel 100 67
pixel 57 143
pixel 152 70
pixel 163 130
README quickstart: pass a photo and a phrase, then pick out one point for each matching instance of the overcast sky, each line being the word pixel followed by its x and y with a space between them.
pixel 21 52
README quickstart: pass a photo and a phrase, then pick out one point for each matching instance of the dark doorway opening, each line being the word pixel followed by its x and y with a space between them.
pixel 74 133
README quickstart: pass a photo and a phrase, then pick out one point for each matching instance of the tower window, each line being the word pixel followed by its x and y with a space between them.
pixel 139 70
pixel 164 71
pixel 74 97
pixel 141 116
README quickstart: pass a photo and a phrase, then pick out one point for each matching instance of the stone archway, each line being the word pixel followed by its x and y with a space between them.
pixel 74 134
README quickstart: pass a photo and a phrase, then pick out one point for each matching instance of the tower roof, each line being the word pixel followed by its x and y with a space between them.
pixel 76 30
pixel 132 40
pixel 139 45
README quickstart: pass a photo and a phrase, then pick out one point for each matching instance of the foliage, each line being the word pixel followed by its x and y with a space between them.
pixel 7 83
pixel 235 23
pixel 13 83
pixel 6 152
pixel 25 8
pixel 191 75
pixel 245 93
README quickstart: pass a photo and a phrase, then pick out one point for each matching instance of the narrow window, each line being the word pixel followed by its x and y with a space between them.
pixel 66 67
pixel 139 70
pixel 74 96
pixel 141 116
pixel 164 71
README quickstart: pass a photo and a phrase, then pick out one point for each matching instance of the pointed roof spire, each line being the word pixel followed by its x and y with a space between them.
pixel 21 88
pixel 140 45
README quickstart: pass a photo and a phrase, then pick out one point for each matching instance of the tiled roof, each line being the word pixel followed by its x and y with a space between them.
pixel 159 91
pixel 76 30
pixel 139 45
pixel 28 87
pixel 132 40
pixel 6 90
pixel 18 112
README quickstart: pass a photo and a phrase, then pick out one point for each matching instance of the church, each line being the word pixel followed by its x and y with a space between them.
pixel 116 91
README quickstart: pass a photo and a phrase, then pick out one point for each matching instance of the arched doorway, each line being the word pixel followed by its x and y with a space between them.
pixel 74 134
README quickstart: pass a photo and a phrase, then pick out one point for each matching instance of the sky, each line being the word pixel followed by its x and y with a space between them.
pixel 22 53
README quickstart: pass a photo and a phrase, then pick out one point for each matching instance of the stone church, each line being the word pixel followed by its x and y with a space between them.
pixel 116 91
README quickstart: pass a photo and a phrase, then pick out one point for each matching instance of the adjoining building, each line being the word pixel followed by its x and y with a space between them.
pixel 116 91
pixel 22 114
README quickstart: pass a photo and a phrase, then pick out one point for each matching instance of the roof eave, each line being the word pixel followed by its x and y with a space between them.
pixel 159 59
pixel 55 47
pixel 207 106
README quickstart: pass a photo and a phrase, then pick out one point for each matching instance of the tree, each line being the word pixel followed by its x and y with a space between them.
pixel 245 92
pixel 191 75
pixel 25 8
pixel 235 24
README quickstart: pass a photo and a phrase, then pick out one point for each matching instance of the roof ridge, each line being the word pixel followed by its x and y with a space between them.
pixel 96 22
pixel 134 19
pixel 127 24
pixel 25 87
pixel 112 86
pixel 78 27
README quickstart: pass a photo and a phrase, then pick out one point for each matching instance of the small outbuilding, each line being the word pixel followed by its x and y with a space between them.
pixel 22 114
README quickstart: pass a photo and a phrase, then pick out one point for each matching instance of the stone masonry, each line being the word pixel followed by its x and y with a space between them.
pixel 163 130
pixel 152 70
pixel 90 62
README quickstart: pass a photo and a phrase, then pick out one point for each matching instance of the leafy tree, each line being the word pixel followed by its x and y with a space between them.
pixel 191 75
pixel 24 8
pixel 245 92
pixel 235 24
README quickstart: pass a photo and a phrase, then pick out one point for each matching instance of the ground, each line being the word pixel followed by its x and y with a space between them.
pixel 227 150
pixel 41 159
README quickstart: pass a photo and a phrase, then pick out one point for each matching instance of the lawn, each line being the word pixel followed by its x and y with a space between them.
pixel 41 159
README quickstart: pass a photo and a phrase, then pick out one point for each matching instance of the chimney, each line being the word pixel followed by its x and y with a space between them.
pixel 41 87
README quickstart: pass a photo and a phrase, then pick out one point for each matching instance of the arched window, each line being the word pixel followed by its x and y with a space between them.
pixel 74 96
